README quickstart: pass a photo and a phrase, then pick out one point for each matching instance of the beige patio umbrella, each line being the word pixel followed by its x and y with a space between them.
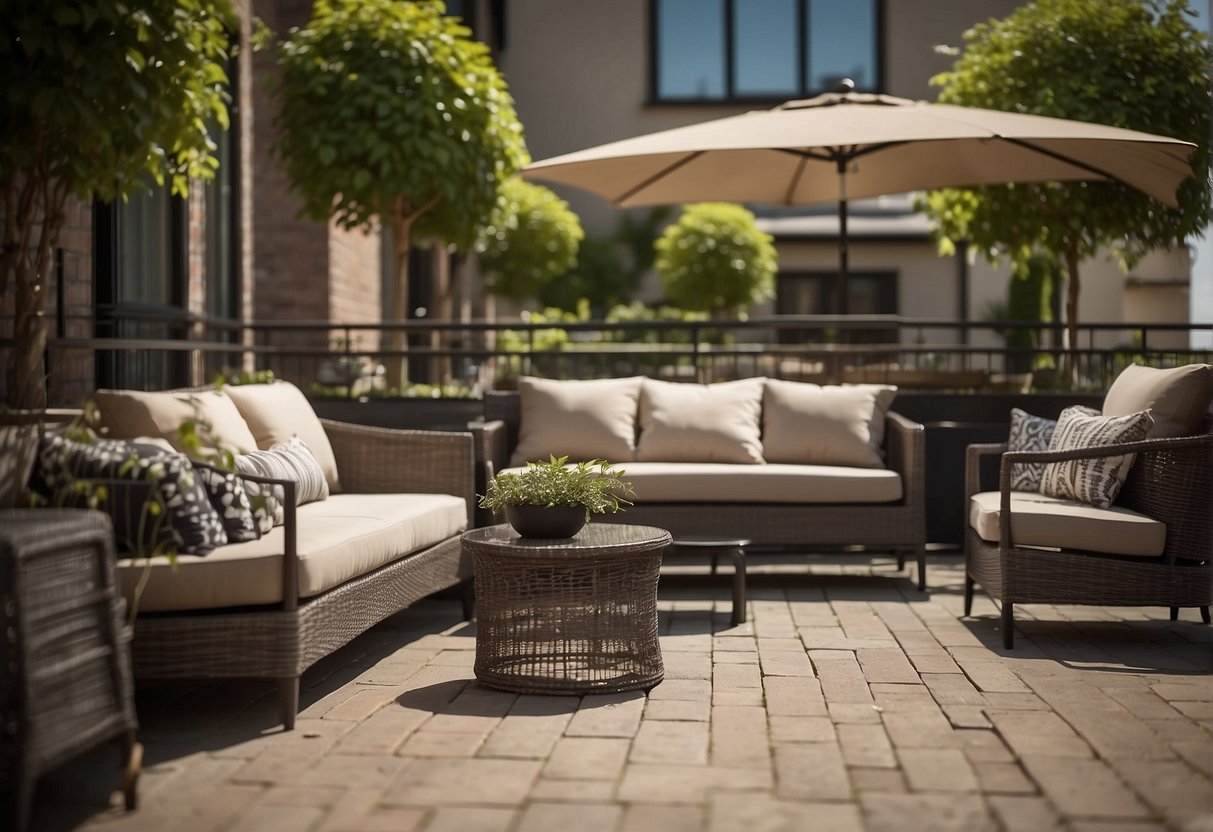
pixel 842 146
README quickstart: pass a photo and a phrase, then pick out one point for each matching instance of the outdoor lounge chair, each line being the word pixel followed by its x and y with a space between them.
pixel 1171 482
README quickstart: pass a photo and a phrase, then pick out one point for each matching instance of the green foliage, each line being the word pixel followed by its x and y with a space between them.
pixel 595 485
pixel 1138 64
pixel 609 268
pixel 640 311
pixel 531 239
pixel 715 258
pixel 390 109
pixel 100 95
pixel 1030 298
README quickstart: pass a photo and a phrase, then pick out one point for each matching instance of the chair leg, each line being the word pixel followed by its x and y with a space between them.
pixel 132 767
pixel 1174 613
pixel 288 701
pixel 715 561
pixel 901 560
pixel 1204 613
pixel 969 584
pixel 739 602
pixel 1008 624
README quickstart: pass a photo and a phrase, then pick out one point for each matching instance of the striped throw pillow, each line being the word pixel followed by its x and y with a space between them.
pixel 1093 481
pixel 290 460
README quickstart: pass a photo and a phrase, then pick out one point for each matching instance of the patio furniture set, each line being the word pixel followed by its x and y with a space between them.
pixel 360 522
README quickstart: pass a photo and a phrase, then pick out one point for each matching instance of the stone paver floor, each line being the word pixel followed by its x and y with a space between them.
pixel 848 701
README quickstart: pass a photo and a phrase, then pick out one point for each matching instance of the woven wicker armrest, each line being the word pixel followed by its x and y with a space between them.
pixel 906 453
pixel 974 454
pixel 386 460
pixel 491 437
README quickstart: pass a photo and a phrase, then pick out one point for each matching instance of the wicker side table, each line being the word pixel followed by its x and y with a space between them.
pixel 577 615
pixel 65 672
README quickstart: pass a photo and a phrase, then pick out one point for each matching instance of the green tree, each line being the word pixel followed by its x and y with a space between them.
pixel 531 238
pixel 1138 64
pixel 390 110
pixel 100 99
pixel 715 258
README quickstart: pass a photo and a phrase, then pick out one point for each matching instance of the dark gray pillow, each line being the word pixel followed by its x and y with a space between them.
pixel 133 472
pixel 230 501
pixel 1028 433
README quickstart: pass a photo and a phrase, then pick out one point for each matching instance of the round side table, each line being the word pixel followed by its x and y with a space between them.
pixel 577 615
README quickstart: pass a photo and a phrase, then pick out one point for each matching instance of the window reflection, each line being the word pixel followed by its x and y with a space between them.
pixel 690 38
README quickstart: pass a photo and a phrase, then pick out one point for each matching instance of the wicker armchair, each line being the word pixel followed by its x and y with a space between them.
pixel 1171 481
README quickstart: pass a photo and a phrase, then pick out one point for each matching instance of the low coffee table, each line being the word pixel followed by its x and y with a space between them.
pixel 577 615
pixel 734 547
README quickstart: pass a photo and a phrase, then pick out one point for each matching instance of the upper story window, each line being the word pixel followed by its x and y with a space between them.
pixel 729 50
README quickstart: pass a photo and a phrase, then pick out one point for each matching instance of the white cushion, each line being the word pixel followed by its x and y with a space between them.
pixel 722 482
pixel 834 425
pixel 582 420
pixel 1049 522
pixel 700 422
pixel 338 539
pixel 277 411
pixel 129 414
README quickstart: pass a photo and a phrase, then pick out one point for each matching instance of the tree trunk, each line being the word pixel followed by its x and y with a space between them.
pixel 33 218
pixel 440 367
pixel 402 226
pixel 1070 365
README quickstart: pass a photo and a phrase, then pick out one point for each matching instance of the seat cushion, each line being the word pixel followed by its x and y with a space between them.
pixel 277 411
pixel 1050 522
pixel 834 425
pixel 338 539
pixel 722 482
pixel 582 420
pixel 701 422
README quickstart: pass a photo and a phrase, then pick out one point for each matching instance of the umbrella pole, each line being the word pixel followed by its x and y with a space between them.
pixel 843 255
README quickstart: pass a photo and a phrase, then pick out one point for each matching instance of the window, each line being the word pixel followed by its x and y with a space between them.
pixel 816 293
pixel 726 50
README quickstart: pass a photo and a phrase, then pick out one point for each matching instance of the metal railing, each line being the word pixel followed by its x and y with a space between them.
pixel 460 358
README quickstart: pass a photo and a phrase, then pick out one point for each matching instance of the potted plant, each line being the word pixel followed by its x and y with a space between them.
pixel 554 500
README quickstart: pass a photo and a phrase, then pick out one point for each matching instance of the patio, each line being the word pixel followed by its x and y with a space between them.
pixel 848 701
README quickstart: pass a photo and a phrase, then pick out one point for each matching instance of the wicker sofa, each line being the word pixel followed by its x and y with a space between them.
pixel 808 506
pixel 269 608
pixel 1153 546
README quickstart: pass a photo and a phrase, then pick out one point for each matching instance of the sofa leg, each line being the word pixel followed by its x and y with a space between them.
pixel 969 584
pixel 288 701
pixel 922 569
pixel 467 598
pixel 1008 624
pixel 901 560
pixel 1174 613
pixel 1204 613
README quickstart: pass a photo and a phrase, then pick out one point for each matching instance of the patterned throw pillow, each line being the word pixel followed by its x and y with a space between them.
pixel 135 471
pixel 1094 481
pixel 230 501
pixel 290 460
pixel 1028 433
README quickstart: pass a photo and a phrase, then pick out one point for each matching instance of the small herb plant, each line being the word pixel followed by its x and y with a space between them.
pixel 595 485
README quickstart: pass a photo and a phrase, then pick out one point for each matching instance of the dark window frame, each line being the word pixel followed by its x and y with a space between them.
pixel 731 97
pixel 889 278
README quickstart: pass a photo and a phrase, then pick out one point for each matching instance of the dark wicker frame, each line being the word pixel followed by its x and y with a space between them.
pixel 65 671
pixel 900 528
pixel 1171 481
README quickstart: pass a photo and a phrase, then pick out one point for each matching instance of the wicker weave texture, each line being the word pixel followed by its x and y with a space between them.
pixel 578 616
pixel 65 678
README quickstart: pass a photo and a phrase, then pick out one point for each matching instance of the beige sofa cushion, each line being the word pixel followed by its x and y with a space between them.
pixel 723 482
pixel 582 420
pixel 128 414
pixel 341 538
pixel 1177 398
pixel 834 425
pixel 700 422
pixel 277 411
pixel 1049 522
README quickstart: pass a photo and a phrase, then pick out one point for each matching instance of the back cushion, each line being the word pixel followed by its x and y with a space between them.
pixel 582 420
pixel 812 425
pixel 700 422
pixel 1177 399
pixel 278 411
pixel 127 414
